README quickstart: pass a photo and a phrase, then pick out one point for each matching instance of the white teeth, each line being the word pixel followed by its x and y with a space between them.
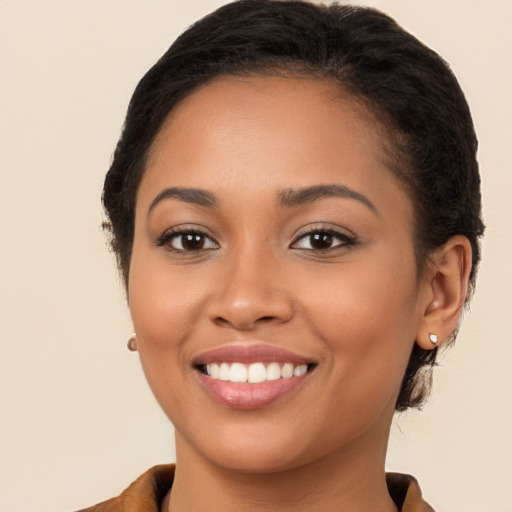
pixel 214 370
pixel 287 371
pixel 255 372
pixel 273 371
pixel 224 371
pixel 238 373
pixel 300 370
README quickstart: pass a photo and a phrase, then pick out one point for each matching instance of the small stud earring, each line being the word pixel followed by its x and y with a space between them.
pixel 132 343
pixel 433 338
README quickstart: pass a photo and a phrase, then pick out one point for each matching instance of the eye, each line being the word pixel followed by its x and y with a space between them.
pixel 322 240
pixel 187 241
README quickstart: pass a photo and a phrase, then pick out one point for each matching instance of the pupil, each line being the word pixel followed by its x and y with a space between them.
pixel 321 240
pixel 193 242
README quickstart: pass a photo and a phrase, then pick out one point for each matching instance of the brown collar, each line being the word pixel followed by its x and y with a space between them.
pixel 406 493
pixel 147 493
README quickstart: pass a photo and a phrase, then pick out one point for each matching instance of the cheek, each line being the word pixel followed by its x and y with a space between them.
pixel 365 309
pixel 162 304
pixel 164 311
pixel 368 329
pixel 369 322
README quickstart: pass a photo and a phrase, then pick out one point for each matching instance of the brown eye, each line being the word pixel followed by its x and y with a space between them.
pixel 189 241
pixel 322 240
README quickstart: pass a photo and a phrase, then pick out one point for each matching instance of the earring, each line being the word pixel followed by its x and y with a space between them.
pixel 132 343
pixel 433 338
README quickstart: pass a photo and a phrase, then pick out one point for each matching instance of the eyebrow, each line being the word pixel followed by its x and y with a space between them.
pixel 295 197
pixel 287 198
pixel 188 195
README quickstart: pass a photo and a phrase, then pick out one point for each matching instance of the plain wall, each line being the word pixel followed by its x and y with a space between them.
pixel 78 422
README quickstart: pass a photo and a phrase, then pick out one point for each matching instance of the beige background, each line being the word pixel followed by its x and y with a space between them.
pixel 78 422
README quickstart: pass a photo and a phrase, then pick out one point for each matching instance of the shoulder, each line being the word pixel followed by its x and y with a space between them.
pixel 144 495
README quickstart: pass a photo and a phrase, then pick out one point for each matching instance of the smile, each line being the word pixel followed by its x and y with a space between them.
pixel 254 373
pixel 250 376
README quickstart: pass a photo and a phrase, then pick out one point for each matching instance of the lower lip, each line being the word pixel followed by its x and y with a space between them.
pixel 250 396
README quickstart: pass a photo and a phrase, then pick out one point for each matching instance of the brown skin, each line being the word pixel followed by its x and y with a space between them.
pixel 354 309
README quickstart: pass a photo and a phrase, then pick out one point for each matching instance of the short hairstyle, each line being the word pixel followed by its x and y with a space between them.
pixel 410 89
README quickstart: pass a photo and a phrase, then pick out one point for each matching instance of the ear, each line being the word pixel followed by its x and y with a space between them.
pixel 445 283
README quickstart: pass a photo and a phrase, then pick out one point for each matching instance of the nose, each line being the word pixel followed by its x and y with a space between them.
pixel 249 293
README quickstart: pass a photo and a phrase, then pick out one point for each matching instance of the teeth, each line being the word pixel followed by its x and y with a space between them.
pixel 255 372
pixel 300 370
pixel 214 371
pixel 273 371
pixel 287 371
pixel 224 371
pixel 238 373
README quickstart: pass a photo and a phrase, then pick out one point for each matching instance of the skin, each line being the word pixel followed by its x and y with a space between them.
pixel 354 309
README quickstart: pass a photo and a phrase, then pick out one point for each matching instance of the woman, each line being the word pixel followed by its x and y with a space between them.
pixel 295 207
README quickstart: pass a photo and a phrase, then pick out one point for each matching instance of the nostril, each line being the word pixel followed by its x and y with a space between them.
pixel 229 311
pixel 243 322
pixel 221 321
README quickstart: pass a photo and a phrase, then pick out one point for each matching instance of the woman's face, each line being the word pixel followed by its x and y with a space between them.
pixel 272 239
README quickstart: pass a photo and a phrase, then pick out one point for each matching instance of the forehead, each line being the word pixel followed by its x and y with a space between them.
pixel 272 132
pixel 301 106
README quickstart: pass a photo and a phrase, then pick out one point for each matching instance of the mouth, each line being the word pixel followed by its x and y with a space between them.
pixel 253 373
pixel 251 377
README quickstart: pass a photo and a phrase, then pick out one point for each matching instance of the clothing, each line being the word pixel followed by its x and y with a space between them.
pixel 147 493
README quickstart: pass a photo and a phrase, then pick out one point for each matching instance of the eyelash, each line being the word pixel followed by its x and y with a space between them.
pixel 346 241
pixel 174 233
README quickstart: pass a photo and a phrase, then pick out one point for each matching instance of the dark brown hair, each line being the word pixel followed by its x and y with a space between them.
pixel 407 86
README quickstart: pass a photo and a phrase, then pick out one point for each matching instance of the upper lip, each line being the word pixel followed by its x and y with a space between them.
pixel 247 354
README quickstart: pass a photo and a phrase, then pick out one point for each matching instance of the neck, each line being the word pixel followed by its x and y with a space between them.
pixel 350 479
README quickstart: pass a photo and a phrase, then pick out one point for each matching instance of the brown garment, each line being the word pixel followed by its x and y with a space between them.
pixel 148 491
